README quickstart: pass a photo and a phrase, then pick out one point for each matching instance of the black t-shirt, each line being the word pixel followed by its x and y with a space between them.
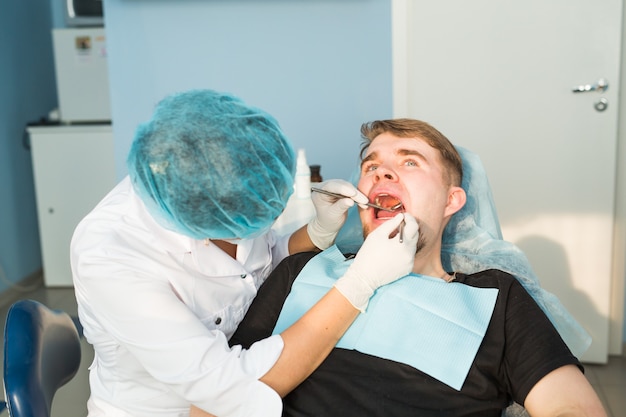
pixel 519 348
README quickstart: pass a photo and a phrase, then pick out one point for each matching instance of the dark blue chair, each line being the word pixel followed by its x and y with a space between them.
pixel 41 354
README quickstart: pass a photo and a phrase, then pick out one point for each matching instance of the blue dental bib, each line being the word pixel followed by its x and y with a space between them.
pixel 424 322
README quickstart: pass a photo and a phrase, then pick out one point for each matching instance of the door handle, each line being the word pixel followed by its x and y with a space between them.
pixel 599 86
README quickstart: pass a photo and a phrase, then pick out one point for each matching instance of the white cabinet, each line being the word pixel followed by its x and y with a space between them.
pixel 73 169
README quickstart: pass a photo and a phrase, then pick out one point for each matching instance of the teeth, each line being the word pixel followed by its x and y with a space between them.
pixel 387 201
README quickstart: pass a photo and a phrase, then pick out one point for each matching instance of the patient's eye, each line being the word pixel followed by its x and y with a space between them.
pixel 410 163
pixel 368 167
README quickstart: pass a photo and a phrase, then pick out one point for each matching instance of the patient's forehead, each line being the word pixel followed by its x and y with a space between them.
pixel 389 141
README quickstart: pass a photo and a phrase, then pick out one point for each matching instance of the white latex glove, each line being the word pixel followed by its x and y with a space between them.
pixel 380 261
pixel 331 212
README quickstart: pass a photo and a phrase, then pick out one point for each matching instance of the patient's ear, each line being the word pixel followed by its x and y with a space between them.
pixel 456 200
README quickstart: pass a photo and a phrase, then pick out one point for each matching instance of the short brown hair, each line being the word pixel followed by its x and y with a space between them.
pixel 412 128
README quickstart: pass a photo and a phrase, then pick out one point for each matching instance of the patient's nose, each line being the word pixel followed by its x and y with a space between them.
pixel 384 173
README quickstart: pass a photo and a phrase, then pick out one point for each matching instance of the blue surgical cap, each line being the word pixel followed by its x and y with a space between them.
pixel 207 165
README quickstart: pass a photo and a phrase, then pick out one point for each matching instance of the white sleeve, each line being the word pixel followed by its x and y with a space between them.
pixel 249 398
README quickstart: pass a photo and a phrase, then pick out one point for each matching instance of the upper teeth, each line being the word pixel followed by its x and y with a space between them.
pixel 385 200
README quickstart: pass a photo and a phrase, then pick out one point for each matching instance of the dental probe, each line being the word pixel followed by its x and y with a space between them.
pixel 376 206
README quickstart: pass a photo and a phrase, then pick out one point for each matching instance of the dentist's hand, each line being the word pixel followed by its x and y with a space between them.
pixel 380 260
pixel 331 212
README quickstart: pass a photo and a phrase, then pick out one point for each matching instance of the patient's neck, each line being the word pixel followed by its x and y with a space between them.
pixel 428 262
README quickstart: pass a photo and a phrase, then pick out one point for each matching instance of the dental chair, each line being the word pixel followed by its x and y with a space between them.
pixel 41 353
pixel 472 242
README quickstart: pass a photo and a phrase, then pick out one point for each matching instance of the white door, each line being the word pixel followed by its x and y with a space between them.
pixel 497 77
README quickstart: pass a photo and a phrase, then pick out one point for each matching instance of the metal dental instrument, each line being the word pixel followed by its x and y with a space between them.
pixel 401 231
pixel 376 206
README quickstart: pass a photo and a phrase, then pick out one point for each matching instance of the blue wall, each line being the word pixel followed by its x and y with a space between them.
pixel 321 67
pixel 28 93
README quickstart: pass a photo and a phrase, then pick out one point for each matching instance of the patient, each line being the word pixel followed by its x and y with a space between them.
pixel 437 342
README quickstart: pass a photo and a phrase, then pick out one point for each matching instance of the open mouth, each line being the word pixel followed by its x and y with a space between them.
pixel 391 204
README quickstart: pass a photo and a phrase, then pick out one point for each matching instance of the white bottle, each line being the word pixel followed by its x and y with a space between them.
pixel 300 209
pixel 303 176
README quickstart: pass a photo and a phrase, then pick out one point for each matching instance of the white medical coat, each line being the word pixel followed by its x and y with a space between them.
pixel 159 307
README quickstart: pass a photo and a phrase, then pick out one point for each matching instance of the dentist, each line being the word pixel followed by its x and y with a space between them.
pixel 167 264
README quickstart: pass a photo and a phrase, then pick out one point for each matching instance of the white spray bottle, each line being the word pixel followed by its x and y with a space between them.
pixel 303 176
